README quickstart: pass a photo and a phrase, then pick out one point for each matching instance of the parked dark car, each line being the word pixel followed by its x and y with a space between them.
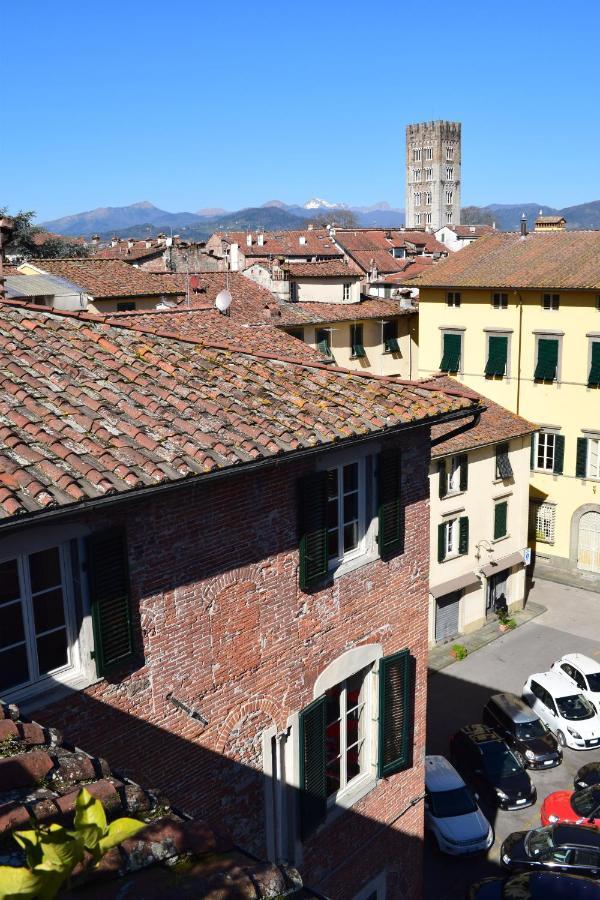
pixel 485 760
pixel 531 740
pixel 587 776
pixel 535 886
pixel 573 849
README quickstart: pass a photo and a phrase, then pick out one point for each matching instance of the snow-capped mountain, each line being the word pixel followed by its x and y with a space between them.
pixel 319 203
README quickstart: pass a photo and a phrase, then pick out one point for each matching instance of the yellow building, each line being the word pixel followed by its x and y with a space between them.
pixel 517 317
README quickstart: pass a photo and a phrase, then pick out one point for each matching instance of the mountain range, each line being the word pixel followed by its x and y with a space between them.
pixel 143 219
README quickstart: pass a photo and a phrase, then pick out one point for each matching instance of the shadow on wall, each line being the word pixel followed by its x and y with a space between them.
pixel 342 856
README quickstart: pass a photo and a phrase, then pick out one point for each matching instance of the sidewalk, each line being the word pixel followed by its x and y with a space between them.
pixel 440 657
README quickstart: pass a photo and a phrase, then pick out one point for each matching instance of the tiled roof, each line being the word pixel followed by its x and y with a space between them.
pixel 382 260
pixel 550 220
pixel 129 254
pixel 327 268
pixel 363 239
pixel 284 243
pixel 305 313
pixel 413 267
pixel 40 779
pixel 568 260
pixel 469 231
pixel 103 278
pixel 41 237
pixel 216 330
pixel 89 409
pixel 250 302
pixel 496 424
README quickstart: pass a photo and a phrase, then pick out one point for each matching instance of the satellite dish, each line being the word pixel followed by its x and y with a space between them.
pixel 223 301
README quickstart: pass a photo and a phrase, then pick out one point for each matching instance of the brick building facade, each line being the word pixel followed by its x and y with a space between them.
pixel 251 639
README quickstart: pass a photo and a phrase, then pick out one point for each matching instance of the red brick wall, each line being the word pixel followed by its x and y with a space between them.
pixel 226 629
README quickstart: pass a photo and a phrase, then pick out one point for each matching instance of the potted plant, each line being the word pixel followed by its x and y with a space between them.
pixel 459 651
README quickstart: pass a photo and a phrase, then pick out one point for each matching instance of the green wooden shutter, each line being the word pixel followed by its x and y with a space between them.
pixel 441 542
pixel 503 465
pixel 443 483
pixel 463 535
pixel 391 514
pixel 451 354
pixel 395 713
pixel 559 454
pixel 547 360
pixel 581 461
pixel 500 520
pixel 313 779
pixel 464 471
pixel 532 450
pixel 594 376
pixel 312 497
pixel 108 575
pixel 497 355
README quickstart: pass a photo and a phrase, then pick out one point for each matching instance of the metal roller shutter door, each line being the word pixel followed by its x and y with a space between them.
pixel 446 616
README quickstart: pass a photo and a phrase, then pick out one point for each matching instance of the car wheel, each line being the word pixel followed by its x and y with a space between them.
pixel 561 738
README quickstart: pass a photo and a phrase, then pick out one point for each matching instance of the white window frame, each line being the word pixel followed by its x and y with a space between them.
pixel 428 198
pixel 544 513
pixel 366 549
pixel 429 177
pixel 452 297
pixel 417 174
pixel 453 475
pixel 449 154
pixel 449 218
pixel 346 288
pixel 449 173
pixel 79 671
pixel 451 538
pixel 553 301
pixel 428 219
pixel 417 198
pixel 549 438
pixel 449 197
pixel 593 472
pixel 428 153
pixel 364 704
pixel 499 304
pixel 416 154
pixel 418 218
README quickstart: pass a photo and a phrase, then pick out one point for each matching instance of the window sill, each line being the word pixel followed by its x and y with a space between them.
pixel 452 495
pixel 43 693
pixel 498 540
pixel 351 795
pixel 350 565
pixel 453 556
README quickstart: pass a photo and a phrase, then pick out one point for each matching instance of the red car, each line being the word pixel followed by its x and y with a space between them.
pixel 573 807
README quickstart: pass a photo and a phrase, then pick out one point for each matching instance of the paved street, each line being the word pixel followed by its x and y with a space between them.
pixel 458 693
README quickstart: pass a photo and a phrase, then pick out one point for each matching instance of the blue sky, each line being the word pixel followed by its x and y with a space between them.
pixel 192 104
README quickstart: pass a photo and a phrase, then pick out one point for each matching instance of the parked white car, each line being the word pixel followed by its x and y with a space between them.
pixel 583 672
pixel 451 811
pixel 564 709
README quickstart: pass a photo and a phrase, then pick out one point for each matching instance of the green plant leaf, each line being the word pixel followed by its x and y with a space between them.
pixel 60 850
pixel 119 831
pixel 18 883
pixel 90 819
pixel 30 842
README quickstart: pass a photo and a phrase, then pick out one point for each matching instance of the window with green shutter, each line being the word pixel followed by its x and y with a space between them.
pixel 547 359
pixel 356 341
pixel 463 539
pixel 503 466
pixel 451 353
pixel 594 376
pixel 441 556
pixel 391 512
pixel 312 496
pixel 313 778
pixel 390 337
pixel 108 573
pixel 464 471
pixel 323 341
pixel 500 519
pixel 443 479
pixel 497 355
pixel 559 454
pixel 581 461
pixel 395 713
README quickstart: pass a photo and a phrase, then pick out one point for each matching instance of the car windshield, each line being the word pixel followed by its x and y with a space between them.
pixel 524 731
pixel 457 802
pixel 575 707
pixel 538 841
pixel 499 762
pixel 587 801
pixel 594 682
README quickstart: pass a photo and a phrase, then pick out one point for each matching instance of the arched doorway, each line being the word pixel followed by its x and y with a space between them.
pixel 588 541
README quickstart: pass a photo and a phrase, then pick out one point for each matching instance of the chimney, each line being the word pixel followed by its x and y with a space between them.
pixel 310 226
pixel 248 240
pixel 260 239
pixel 302 240
pixel 523 226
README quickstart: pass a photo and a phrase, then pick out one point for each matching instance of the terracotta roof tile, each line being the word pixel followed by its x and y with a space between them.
pixel 305 313
pixel 103 278
pixel 283 243
pixel 326 268
pixel 554 260
pixel 133 400
pixel 496 424
pixel 365 239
